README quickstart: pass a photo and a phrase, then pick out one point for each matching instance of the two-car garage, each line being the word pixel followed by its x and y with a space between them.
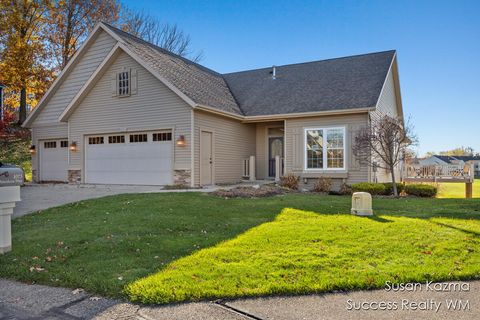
pixel 137 158
pixel 143 158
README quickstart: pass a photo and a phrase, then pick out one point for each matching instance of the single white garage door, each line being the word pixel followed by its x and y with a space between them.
pixel 53 160
pixel 143 158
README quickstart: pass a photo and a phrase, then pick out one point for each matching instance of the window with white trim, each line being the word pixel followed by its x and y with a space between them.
pixel 123 83
pixel 63 144
pixel 325 148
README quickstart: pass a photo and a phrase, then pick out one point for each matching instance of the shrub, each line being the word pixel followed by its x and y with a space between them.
pixel 322 185
pixel 389 188
pixel 345 189
pixel 421 190
pixel 372 188
pixel 290 181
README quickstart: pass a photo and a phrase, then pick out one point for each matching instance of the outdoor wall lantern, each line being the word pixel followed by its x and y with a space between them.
pixel 73 146
pixel 181 141
pixel 32 149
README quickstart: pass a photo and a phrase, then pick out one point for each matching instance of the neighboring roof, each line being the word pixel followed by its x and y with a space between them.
pixel 335 84
pixel 204 86
pixel 449 159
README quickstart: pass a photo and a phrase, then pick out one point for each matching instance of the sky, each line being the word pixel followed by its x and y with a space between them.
pixel 437 43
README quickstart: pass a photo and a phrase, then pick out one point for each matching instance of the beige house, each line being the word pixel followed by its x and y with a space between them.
pixel 124 111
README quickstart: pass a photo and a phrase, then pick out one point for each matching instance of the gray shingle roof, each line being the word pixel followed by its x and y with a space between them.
pixel 202 85
pixel 335 84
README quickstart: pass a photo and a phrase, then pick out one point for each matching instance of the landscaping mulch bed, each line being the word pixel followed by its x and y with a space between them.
pixel 251 192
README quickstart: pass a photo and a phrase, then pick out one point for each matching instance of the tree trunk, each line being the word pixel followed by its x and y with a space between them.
pixel 394 183
pixel 22 111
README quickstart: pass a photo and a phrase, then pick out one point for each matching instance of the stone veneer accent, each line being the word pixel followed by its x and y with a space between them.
pixel 182 177
pixel 74 176
pixel 34 176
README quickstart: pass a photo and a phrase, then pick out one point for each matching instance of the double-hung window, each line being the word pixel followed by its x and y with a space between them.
pixel 325 148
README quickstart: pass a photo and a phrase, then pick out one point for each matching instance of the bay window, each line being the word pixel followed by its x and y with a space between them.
pixel 325 148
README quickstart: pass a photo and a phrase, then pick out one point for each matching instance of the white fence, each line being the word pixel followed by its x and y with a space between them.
pixel 438 173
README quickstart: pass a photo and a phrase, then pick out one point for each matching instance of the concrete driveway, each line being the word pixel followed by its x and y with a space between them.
pixel 37 197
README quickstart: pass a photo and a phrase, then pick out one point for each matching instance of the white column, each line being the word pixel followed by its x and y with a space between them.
pixel 8 196
pixel 278 168
pixel 252 168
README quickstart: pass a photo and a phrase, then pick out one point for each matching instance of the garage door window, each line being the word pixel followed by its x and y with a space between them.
pixel 116 139
pixel 138 138
pixel 50 144
pixel 162 136
pixel 95 140
pixel 63 144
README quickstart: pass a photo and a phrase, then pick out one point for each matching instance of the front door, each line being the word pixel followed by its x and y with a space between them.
pixel 275 148
pixel 206 158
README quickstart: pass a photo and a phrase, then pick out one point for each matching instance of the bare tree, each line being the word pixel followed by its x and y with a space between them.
pixel 384 144
pixel 70 22
pixel 167 36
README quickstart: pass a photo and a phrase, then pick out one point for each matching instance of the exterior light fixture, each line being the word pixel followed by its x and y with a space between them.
pixel 181 141
pixel 73 146
pixel 32 149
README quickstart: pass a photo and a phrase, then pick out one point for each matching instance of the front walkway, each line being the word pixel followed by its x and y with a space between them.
pixel 21 301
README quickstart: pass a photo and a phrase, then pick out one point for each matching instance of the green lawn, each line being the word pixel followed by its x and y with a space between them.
pixel 457 190
pixel 192 246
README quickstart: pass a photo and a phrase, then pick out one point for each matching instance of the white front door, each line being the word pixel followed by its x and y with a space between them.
pixel 53 159
pixel 143 158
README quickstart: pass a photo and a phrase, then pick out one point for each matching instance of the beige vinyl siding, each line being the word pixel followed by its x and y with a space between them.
pixel 233 141
pixel 387 105
pixel 84 68
pixel 153 107
pixel 295 153
pixel 56 131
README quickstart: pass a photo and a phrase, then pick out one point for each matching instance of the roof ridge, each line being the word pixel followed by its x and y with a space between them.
pixel 314 61
pixel 163 50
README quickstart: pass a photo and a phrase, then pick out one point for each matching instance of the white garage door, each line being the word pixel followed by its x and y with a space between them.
pixel 143 158
pixel 53 160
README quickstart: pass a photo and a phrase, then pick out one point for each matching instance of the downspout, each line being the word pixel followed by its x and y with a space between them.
pixel 192 148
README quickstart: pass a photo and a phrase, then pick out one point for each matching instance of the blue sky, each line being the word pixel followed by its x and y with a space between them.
pixel 438 44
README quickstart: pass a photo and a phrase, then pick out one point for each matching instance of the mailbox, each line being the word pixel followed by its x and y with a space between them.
pixel 362 204
pixel 11 178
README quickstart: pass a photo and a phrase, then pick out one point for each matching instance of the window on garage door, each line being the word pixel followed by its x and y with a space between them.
pixel 50 144
pixel 138 138
pixel 116 139
pixel 162 136
pixel 95 140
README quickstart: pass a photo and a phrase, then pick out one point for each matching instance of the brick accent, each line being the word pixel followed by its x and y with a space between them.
pixel 182 177
pixel 74 176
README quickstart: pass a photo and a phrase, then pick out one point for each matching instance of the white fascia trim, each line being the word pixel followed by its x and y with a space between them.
pixel 61 76
pixel 393 68
pixel 80 94
pixel 306 114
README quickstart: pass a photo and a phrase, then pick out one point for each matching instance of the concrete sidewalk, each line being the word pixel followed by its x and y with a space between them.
pixel 22 301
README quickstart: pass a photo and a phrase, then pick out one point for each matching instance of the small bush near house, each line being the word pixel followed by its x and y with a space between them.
pixel 290 181
pixel 421 190
pixel 345 189
pixel 323 185
pixel 372 188
pixel 389 188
